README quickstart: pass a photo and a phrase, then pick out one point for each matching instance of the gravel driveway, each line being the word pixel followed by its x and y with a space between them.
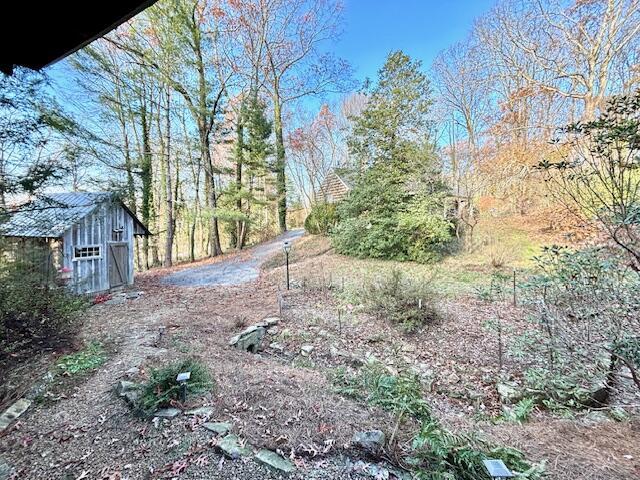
pixel 233 271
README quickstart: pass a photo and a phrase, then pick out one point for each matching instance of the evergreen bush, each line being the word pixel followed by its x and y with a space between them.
pixel 322 218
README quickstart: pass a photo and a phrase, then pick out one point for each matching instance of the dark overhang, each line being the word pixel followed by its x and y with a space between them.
pixel 37 34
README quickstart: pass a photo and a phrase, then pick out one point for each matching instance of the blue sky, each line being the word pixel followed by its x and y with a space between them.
pixel 372 29
pixel 421 28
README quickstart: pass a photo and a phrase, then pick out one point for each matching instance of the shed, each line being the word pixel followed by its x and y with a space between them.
pixel 91 234
pixel 336 186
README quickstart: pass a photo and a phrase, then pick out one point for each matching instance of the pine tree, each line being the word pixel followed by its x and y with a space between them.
pixel 251 151
pixel 395 208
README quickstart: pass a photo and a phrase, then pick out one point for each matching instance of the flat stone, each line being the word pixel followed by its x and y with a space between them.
pixel 124 386
pixel 132 397
pixel 271 321
pixel 250 339
pixel 5 470
pixel 370 440
pixel 133 295
pixel 508 392
pixel 275 461
pixel 276 346
pixel 200 412
pixel 306 350
pixel 231 447
pixel 453 378
pixel 132 372
pixel 40 387
pixel 119 300
pixel 167 413
pixel 13 412
pixel 219 428
pixel 273 331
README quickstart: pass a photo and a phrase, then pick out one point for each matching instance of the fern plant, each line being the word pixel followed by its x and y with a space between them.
pixel 436 452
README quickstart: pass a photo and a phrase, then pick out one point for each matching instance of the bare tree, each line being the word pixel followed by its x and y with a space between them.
pixel 577 45
pixel 283 38
pixel 596 174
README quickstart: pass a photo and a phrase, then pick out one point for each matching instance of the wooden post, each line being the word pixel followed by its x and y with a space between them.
pixel 500 362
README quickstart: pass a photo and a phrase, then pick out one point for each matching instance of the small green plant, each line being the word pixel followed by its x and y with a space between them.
pixel 618 414
pixel 497 289
pixel 87 359
pixel 521 411
pixel 403 301
pixel 436 452
pixel 162 389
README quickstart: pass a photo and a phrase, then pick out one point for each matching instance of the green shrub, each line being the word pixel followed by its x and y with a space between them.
pixel 406 302
pixel 162 388
pixel 521 411
pixel 435 452
pixel 586 311
pixel 32 310
pixel 381 219
pixel 85 360
pixel 322 218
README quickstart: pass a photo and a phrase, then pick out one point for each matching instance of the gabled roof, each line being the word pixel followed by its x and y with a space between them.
pixel 346 176
pixel 50 215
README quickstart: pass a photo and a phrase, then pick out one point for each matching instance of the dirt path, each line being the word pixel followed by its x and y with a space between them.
pixel 86 432
pixel 234 271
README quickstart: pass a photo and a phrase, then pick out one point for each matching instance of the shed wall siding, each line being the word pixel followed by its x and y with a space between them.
pixel 92 275
pixel 89 275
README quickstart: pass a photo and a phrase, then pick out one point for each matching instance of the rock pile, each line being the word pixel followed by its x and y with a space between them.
pixel 250 339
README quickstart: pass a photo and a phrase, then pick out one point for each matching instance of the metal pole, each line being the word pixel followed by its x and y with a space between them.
pixel 287 257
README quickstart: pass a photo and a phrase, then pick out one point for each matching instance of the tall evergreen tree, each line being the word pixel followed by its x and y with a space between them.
pixel 394 210
pixel 251 150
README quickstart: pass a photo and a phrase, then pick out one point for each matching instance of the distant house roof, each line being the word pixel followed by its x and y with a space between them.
pixel 336 185
pixel 49 216
pixel 346 176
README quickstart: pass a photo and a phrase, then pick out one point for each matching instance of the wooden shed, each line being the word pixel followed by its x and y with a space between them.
pixel 91 235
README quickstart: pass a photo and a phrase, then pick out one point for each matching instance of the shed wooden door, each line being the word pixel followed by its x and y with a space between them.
pixel 118 264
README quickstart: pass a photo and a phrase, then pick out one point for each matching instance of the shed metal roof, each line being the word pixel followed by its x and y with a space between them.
pixel 50 215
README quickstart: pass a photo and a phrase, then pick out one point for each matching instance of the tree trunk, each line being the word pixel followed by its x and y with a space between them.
pixel 281 185
pixel 212 198
pixel 239 158
pixel 168 247
pixel 146 173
